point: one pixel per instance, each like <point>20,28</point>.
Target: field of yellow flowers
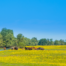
<point>51,56</point>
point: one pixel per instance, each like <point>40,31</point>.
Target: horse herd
<point>26,48</point>
<point>33,48</point>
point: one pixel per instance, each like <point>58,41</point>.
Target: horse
<point>4,48</point>
<point>14,48</point>
<point>40,48</point>
<point>34,48</point>
<point>28,48</point>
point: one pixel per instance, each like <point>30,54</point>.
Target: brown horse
<point>28,48</point>
<point>4,48</point>
<point>31,48</point>
<point>34,48</point>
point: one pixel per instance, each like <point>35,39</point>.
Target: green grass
<point>26,64</point>
<point>1,48</point>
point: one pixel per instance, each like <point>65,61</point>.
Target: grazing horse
<point>4,48</point>
<point>40,48</point>
<point>28,48</point>
<point>34,48</point>
<point>14,48</point>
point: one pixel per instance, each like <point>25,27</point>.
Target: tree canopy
<point>7,39</point>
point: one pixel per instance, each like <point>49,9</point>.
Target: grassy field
<point>34,57</point>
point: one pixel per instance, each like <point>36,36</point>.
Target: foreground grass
<point>34,57</point>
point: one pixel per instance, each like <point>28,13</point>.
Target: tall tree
<point>21,41</point>
<point>34,41</point>
<point>42,42</point>
<point>7,35</point>
<point>51,42</point>
<point>27,41</point>
<point>48,42</point>
<point>61,42</point>
<point>56,42</point>
<point>1,40</point>
<point>19,36</point>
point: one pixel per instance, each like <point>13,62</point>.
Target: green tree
<point>15,42</point>
<point>51,42</point>
<point>48,42</point>
<point>20,40</point>
<point>34,41</point>
<point>7,36</point>
<point>42,42</point>
<point>27,41</point>
<point>19,36</point>
<point>56,42</point>
<point>1,40</point>
<point>61,42</point>
<point>21,44</point>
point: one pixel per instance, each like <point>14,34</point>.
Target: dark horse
<point>40,48</point>
<point>16,48</point>
<point>28,48</point>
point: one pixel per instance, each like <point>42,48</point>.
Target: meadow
<point>51,56</point>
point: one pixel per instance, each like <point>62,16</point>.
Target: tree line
<point>7,39</point>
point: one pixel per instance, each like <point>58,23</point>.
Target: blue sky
<point>34,18</point>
